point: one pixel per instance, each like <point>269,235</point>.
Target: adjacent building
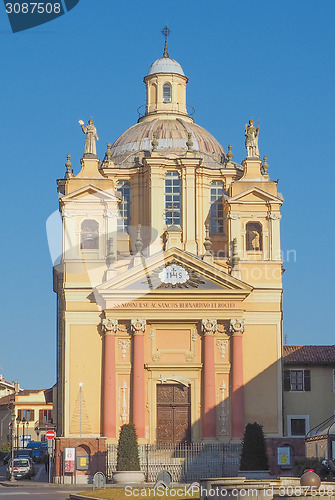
<point>29,413</point>
<point>309,388</point>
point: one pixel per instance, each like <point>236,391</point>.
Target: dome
<point>172,135</point>
<point>166,65</point>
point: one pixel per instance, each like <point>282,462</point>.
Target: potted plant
<point>128,462</point>
<point>254,462</point>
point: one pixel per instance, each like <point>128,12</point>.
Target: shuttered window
<point>26,415</point>
<point>45,416</point>
<point>297,380</point>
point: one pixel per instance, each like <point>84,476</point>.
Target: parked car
<point>38,449</point>
<point>22,468</point>
<point>24,453</point>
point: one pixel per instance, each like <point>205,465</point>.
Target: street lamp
<point>37,430</point>
<point>23,422</point>
<point>12,478</point>
<point>18,420</point>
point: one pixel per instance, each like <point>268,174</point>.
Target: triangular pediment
<point>198,277</point>
<point>255,194</point>
<point>90,191</point>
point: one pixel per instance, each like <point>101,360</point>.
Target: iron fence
<point>186,462</point>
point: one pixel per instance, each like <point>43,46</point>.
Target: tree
<point>254,455</point>
<point>5,447</point>
<point>127,449</point>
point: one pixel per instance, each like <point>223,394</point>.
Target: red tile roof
<point>25,392</point>
<point>7,399</point>
<point>309,354</point>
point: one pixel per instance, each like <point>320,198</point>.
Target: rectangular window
<point>26,415</point>
<point>216,208</point>
<point>172,199</point>
<point>45,417</point>
<point>123,222</point>
<point>297,425</point>
<point>297,380</point>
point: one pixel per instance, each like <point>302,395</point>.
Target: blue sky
<point>272,61</point>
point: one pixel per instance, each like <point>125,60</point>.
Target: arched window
<point>172,199</point>
<point>254,236</point>
<point>123,221</point>
<point>216,208</point>
<point>89,235</point>
<point>167,92</point>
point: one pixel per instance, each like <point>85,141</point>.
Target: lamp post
<point>18,420</point>
<point>80,398</point>
<point>12,446</point>
<point>27,425</point>
<point>23,422</point>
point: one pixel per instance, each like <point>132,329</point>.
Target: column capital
<point>274,216</point>
<point>236,326</point>
<point>109,325</point>
<point>209,326</point>
<point>138,326</point>
<point>233,216</point>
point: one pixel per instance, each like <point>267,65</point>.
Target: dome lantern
<point>166,87</point>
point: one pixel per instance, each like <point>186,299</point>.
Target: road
<point>38,488</point>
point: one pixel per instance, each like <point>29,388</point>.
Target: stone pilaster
<point>109,327</point>
<point>138,327</point>
<point>237,396</point>
<point>209,327</point>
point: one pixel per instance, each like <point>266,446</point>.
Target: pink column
<point>209,410</point>
<point>138,397</point>
<point>109,394</point>
<point>237,397</point>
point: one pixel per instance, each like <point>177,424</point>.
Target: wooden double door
<point>173,414</point>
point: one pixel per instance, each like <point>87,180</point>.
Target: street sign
<point>50,434</point>
<point>50,447</point>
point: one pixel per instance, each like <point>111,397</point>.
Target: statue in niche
<point>254,237</point>
<point>251,140</point>
<point>91,135</point>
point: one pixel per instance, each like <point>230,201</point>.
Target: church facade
<point>170,285</point>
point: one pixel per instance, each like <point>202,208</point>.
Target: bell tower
<point>253,214</point>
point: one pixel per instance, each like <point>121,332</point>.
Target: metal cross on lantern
<point>165,32</point>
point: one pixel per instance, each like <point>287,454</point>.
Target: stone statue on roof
<point>91,135</point>
<point>251,139</point>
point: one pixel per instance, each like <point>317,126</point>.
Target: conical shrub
<point>127,449</point>
<point>254,455</point>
